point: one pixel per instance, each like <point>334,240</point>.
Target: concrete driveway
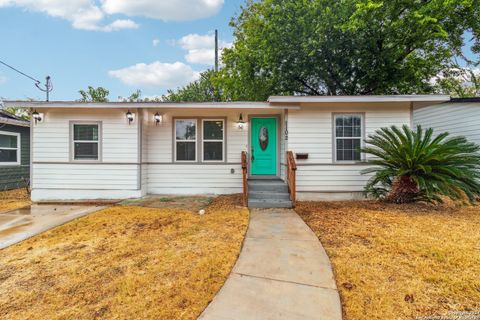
<point>20,224</point>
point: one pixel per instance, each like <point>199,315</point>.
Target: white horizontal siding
<point>51,137</point>
<point>159,143</point>
<point>166,177</point>
<point>194,179</point>
<point>459,119</point>
<point>82,194</point>
<point>85,176</point>
<point>311,131</point>
<point>55,176</point>
<point>331,178</point>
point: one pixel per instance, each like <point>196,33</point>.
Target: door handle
<point>253,157</point>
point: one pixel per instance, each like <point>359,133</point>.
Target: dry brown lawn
<point>124,262</point>
<point>400,262</point>
<point>13,199</point>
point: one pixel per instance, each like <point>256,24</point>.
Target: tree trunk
<point>404,190</point>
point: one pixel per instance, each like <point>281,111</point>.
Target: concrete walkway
<point>21,224</point>
<point>283,272</point>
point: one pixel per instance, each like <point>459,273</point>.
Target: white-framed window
<point>348,133</point>
<point>213,135</point>
<point>185,147</point>
<point>9,148</point>
<point>86,141</point>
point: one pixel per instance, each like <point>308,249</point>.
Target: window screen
<point>85,141</point>
<point>348,137</point>
<point>9,148</point>
<point>213,140</point>
<point>185,140</point>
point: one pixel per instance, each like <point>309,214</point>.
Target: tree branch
<point>313,90</point>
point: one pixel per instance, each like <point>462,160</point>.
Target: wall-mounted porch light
<point>37,116</point>
<point>130,117</point>
<point>240,122</point>
<point>158,118</point>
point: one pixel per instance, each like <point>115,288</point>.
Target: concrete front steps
<point>268,193</point>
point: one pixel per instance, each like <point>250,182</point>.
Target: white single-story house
<point>116,150</point>
<point>459,117</point>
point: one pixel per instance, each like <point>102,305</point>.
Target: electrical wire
<point>22,73</point>
<point>48,83</point>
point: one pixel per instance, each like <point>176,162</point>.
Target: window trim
<point>175,140</point>
<point>72,142</point>
<point>334,136</point>
<point>18,148</point>
<point>222,141</point>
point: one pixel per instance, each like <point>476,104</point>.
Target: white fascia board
<point>144,105</point>
<point>346,99</point>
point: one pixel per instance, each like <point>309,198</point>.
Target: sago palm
<point>411,165</point>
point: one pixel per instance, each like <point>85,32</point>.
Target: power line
<point>22,73</point>
<point>48,83</point>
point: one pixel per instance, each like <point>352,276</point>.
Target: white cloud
<point>120,24</point>
<point>165,75</point>
<point>155,42</point>
<point>83,14</point>
<point>178,10</point>
<point>91,14</point>
<point>201,48</point>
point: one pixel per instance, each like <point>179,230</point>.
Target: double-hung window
<point>9,148</point>
<point>348,134</point>
<point>213,140</point>
<point>185,140</point>
<point>86,141</point>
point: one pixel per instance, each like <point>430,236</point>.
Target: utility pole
<point>48,87</point>
<point>216,50</point>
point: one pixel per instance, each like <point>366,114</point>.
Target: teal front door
<point>263,146</point>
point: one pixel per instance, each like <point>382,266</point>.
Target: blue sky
<point>78,52</point>
<point>152,45</point>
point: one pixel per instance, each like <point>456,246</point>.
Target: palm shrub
<point>411,165</point>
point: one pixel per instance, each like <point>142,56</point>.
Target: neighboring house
<point>92,151</point>
<point>459,117</point>
<point>14,151</point>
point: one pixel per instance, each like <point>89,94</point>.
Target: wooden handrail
<point>292,177</point>
<point>245,176</point>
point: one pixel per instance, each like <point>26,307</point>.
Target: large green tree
<point>346,47</point>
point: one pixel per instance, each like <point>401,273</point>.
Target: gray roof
<point>9,118</point>
<point>471,99</point>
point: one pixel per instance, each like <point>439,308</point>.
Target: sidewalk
<point>283,272</point>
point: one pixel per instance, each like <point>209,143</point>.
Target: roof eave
<point>13,122</point>
<point>359,99</point>
<point>144,105</point>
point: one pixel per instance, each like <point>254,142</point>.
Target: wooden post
<point>292,177</point>
<point>245,176</point>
